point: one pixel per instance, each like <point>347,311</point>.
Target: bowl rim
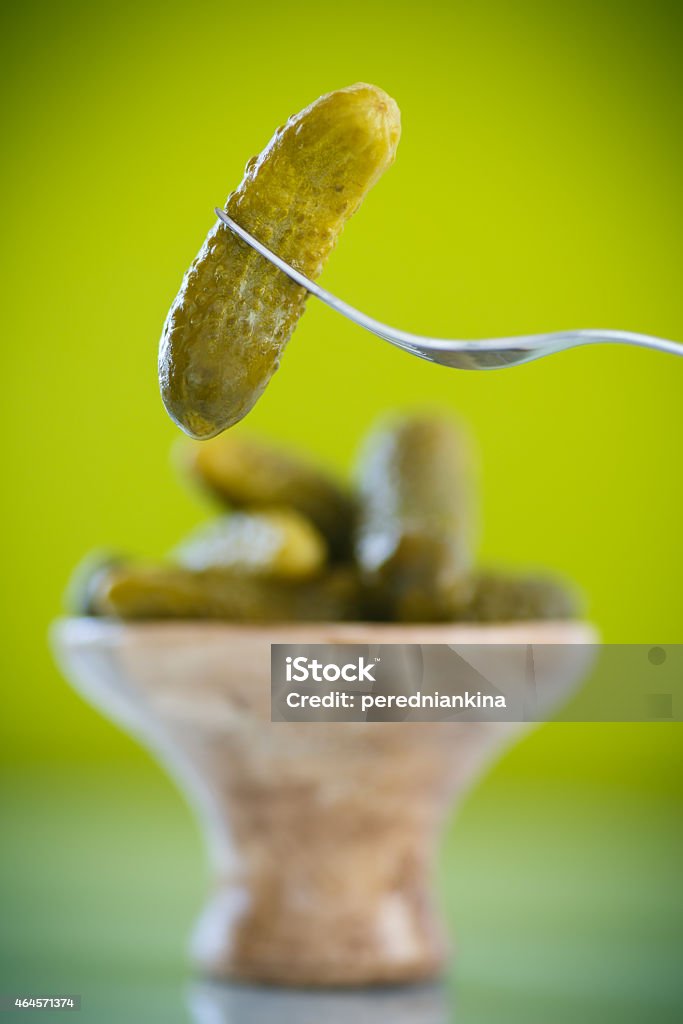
<point>93,630</point>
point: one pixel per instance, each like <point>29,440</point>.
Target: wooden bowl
<point>322,835</point>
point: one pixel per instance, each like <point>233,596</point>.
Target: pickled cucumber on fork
<point>414,537</point>
<point>247,473</point>
<point>277,543</point>
<point>142,592</point>
<point>235,312</point>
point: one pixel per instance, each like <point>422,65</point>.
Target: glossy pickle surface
<point>235,312</point>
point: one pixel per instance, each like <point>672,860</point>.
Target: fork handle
<point>598,337</point>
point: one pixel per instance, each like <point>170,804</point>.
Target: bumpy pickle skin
<point>150,592</point>
<point>278,544</point>
<point>235,312</point>
<point>499,597</point>
<point>414,537</point>
<point>244,472</point>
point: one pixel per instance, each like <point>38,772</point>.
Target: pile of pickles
<point>293,544</point>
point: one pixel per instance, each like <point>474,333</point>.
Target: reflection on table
<point>214,1003</point>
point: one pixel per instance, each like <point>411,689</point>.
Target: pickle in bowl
<point>276,543</point>
<point>507,597</point>
<point>414,536</point>
<point>148,592</point>
<point>244,472</point>
<point>293,544</point>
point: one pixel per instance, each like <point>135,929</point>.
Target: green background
<point>537,187</point>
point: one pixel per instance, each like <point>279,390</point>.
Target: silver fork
<point>488,354</point>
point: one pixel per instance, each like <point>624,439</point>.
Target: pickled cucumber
<point>497,597</point>
<point>279,543</point>
<point>82,591</point>
<point>235,312</point>
<point>414,537</point>
<point>246,473</point>
<point>159,592</point>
